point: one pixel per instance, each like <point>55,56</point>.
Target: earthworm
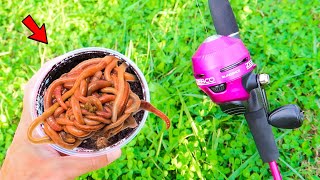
<point>58,112</point>
<point>116,130</point>
<point>48,95</point>
<point>106,98</point>
<point>68,113</point>
<point>83,88</point>
<point>72,118</point>
<point>72,74</point>
<point>147,106</point>
<point>76,110</point>
<point>68,85</point>
<point>121,90</point>
<point>57,95</point>
<point>84,64</point>
<point>124,99</point>
<point>109,68</point>
<point>135,103</point>
<point>130,123</point>
<point>93,98</point>
<point>78,95</point>
<point>95,101</point>
<point>98,84</point>
<point>64,121</point>
<point>67,103</point>
<point>67,137</point>
<point>91,122</point>
<point>109,90</point>
<point>115,81</point>
<point>88,127</point>
<point>65,129</point>
<point>53,124</point>
<point>54,136</point>
<point>96,94</point>
<point>99,118</point>
<point>86,112</point>
<point>96,76</point>
<point>107,108</point>
<point>77,132</point>
<point>106,115</point>
<point>117,123</point>
<point>86,137</point>
<point>130,101</point>
<point>127,76</point>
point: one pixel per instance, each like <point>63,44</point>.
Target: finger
<point>81,165</point>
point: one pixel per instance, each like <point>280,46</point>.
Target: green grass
<point>161,37</point>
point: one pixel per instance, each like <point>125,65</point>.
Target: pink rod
<point>274,170</point>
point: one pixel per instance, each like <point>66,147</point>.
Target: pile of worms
<point>94,98</point>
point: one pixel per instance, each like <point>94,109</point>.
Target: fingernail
<point>112,156</point>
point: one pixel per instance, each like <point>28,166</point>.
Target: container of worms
<point>58,66</point>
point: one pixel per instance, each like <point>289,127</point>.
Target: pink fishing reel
<point>223,69</point>
<point>220,66</point>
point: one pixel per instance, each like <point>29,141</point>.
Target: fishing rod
<point>223,69</point>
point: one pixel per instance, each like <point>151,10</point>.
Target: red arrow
<point>39,34</point>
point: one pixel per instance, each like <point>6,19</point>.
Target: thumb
<point>82,165</point>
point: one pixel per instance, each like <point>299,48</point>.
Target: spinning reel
<point>223,69</point>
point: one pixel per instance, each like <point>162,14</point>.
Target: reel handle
<point>223,18</point>
<point>286,117</point>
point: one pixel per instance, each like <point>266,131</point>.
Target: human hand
<point>25,160</point>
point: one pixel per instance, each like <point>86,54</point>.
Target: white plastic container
<point>55,68</point>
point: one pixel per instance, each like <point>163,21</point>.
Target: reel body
<point>219,65</point>
<point>222,67</point>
